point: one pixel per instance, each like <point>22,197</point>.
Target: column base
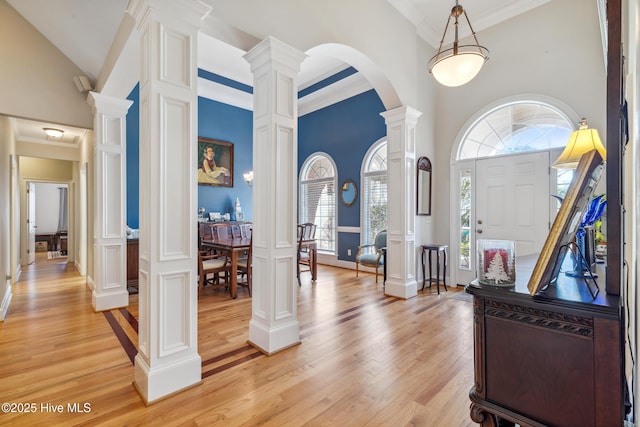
<point>402,290</point>
<point>154,384</point>
<point>273,340</point>
<point>110,300</point>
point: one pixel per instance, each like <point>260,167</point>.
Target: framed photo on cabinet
<point>567,221</point>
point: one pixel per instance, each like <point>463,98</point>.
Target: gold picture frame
<point>215,162</point>
<point>567,220</point>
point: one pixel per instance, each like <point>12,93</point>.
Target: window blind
<point>318,204</point>
<point>375,204</point>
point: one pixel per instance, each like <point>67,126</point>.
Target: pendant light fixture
<point>460,63</point>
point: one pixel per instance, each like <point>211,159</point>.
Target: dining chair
<point>212,264</point>
<point>370,255</point>
<point>306,232</point>
<point>245,267</point>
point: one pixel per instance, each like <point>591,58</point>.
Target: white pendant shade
<point>461,63</point>
<point>456,70</point>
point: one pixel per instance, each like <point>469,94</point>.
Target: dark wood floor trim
<point>226,355</point>
<point>236,362</point>
<point>130,318</point>
<point>125,342</point>
<point>312,328</point>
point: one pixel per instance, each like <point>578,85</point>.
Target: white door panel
<point>512,200</point>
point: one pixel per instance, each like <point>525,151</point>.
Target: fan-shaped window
<point>514,128</point>
<point>374,191</point>
<point>318,198</point>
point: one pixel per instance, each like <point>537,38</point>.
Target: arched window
<point>374,191</point>
<point>317,198</point>
<point>515,127</point>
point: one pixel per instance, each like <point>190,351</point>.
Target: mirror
<point>348,192</point>
<point>423,187</point>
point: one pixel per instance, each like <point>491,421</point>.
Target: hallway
<point>365,359</point>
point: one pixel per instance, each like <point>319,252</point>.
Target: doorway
<point>47,221</point>
<point>501,178</point>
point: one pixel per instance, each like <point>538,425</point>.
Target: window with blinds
<point>318,199</point>
<point>374,192</point>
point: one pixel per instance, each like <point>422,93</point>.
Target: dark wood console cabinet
<point>553,359</point>
<point>132,261</point>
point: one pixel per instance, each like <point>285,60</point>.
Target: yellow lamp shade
<point>580,142</point>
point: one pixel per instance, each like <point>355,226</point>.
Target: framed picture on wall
<point>215,162</point>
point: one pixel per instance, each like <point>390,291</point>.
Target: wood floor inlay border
<point>125,342</point>
<point>130,318</point>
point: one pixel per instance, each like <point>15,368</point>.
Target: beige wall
<point>36,79</point>
<point>534,53</point>
<point>32,168</point>
<point>6,144</point>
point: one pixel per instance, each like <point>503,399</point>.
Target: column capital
<point>192,11</point>
<point>108,104</point>
<point>272,50</point>
<point>404,113</point>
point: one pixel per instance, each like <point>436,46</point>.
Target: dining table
<point>234,247</point>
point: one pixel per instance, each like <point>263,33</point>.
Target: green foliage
<point>378,215</point>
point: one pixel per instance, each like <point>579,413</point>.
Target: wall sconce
<point>53,133</point>
<point>581,141</point>
<point>248,176</point>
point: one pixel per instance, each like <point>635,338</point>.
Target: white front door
<point>512,200</point>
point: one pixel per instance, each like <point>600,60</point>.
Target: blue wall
<point>133,159</point>
<point>345,131</point>
<point>215,121</point>
<point>227,123</point>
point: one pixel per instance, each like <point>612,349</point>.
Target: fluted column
<point>401,195</point>
<point>168,359</point>
<point>109,239</point>
<point>275,66</point>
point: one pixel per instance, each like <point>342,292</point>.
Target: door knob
<point>479,231</point>
<point>479,221</point>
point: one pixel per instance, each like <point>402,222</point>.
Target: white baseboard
<point>6,300</point>
<point>351,265</point>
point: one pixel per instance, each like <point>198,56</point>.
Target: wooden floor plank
<point>365,358</point>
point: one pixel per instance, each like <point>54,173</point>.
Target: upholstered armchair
<point>370,255</point>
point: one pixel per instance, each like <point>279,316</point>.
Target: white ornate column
<point>168,359</point>
<point>274,323</point>
<point>401,194</point>
<point>109,238</point>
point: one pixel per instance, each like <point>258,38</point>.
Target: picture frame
<point>563,230</point>
<point>218,169</point>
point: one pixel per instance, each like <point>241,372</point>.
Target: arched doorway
<point>501,177</point>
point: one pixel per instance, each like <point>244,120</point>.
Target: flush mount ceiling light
<point>459,64</point>
<point>53,133</point>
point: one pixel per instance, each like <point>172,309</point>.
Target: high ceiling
<point>97,21</point>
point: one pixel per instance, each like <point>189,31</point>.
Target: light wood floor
<point>365,359</point>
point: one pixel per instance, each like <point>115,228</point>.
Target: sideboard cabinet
<point>554,359</point>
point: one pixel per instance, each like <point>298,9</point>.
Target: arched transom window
<point>516,127</point>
